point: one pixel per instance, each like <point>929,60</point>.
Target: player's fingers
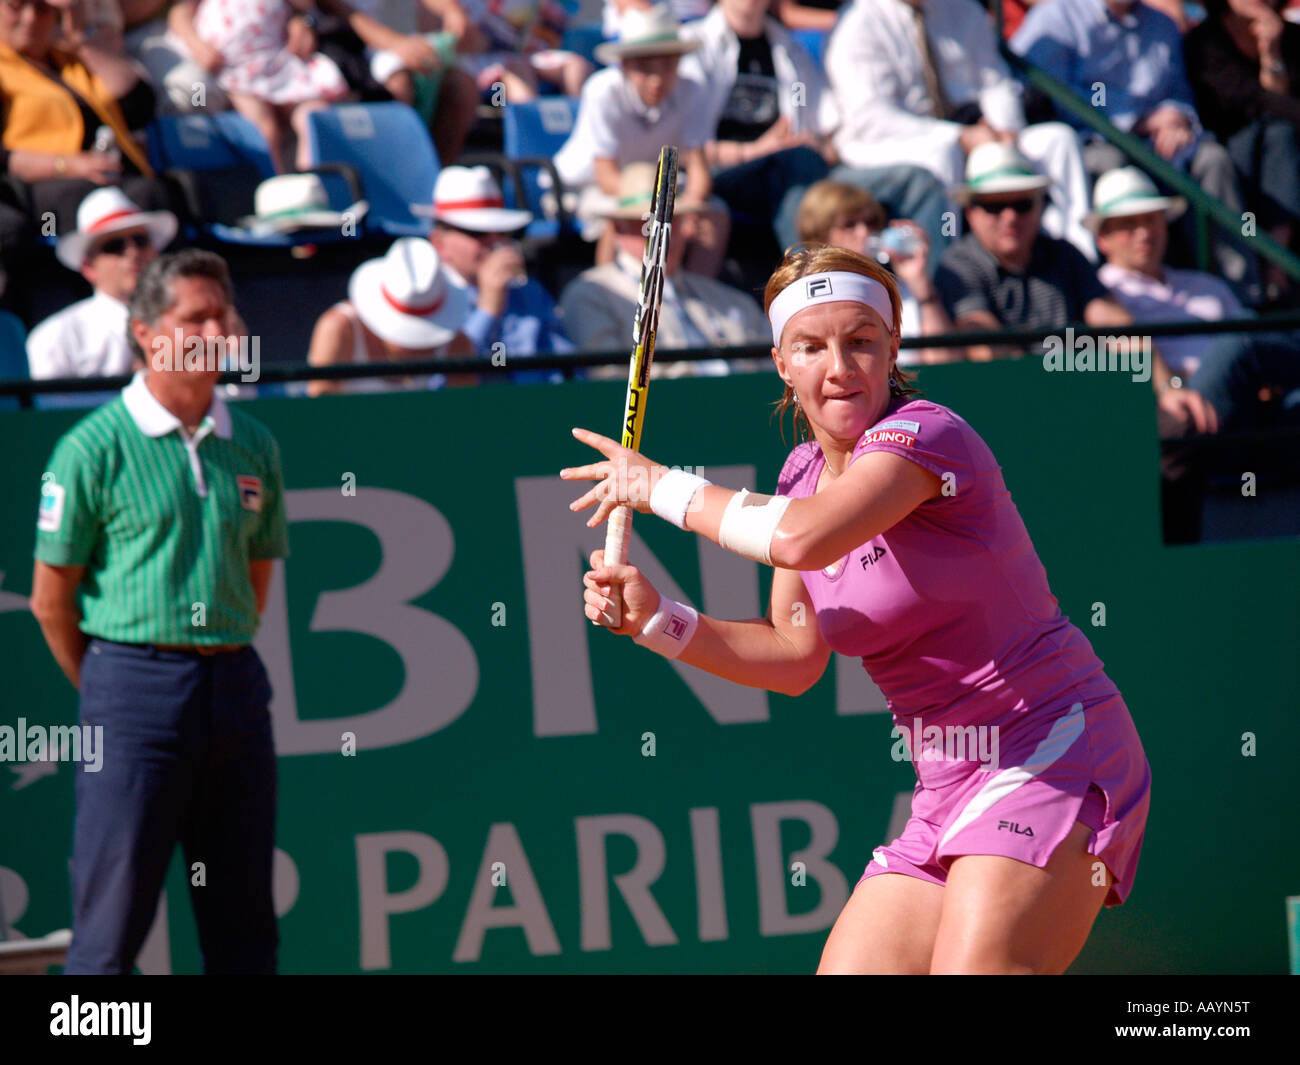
<point>596,582</point>
<point>602,512</point>
<point>597,558</point>
<point>592,472</point>
<point>603,444</point>
<point>1209,416</point>
<point>596,494</point>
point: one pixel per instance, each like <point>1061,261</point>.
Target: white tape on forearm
<point>748,525</point>
<point>671,628</point>
<point>671,497</point>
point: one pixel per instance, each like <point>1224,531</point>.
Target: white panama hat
<point>995,168</point>
<point>645,32</point>
<point>289,202</point>
<point>1128,191</point>
<point>409,297</point>
<point>468,197</point>
<point>109,210</point>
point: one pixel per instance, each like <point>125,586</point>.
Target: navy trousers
<point>188,757</point>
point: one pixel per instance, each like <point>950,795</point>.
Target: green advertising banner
<point>473,778</point>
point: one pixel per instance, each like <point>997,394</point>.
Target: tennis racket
<point>646,323</point>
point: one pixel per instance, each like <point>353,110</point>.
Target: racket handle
<point>618,533</point>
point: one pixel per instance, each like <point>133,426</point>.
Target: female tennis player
<point>894,521</point>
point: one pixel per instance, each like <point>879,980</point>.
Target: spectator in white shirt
<point>626,113</point>
<point>697,312</point>
<point>922,82</point>
<point>770,113</point>
<point>1237,373</point>
<point>113,243</point>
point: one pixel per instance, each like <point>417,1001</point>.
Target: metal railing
<point>1204,206</point>
<point>569,365</point>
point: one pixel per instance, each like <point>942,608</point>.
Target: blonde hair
<point>804,259</point>
<point>827,203</point>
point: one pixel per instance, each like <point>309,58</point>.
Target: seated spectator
<point>1013,14</point>
<point>835,212</point>
<point>383,57</point>
<point>922,82</point>
<point>265,64</point>
<point>770,113</point>
<point>1229,370</point>
<point>476,239</point>
<point>1244,62</point>
<point>1132,55</point>
<point>626,113</point>
<point>70,108</point>
<point>599,305</point>
<point>517,43</point>
<point>1006,273</point>
<point>183,84</point>
<point>114,241</point>
<point>405,307</point>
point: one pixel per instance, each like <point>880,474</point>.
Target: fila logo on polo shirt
<point>895,432</point>
<point>250,492</point>
<point>819,286</point>
<point>50,515</point>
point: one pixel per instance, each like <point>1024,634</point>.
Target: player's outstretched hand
<point>625,476</point>
<point>640,600</point>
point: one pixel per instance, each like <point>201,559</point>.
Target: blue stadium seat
<point>217,161</point>
<point>814,41</point>
<point>391,151</point>
<point>204,142</point>
<point>583,39</point>
<point>13,355</point>
<point>532,133</point>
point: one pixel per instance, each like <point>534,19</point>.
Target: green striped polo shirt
<point>165,527</point>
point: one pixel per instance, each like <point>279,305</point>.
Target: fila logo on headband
<point>819,286</point>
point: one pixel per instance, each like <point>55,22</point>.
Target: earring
<point>893,381</point>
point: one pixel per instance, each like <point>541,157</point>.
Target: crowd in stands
<point>893,127</point>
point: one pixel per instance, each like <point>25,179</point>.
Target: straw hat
<point>1128,191</point>
<point>645,32</point>
<point>108,210</point>
<point>994,168</point>
<point>636,188</point>
<point>408,297</point>
<point>288,202</point>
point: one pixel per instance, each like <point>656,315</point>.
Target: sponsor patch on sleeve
<point>50,515</point>
<point>898,431</point>
<point>889,436</point>
<point>250,492</point>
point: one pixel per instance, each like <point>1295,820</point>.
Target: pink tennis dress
<point>1012,726</point>
<point>251,36</point>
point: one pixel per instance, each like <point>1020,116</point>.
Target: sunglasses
<point>1019,206</point>
<point>482,235</point>
<point>118,245</point>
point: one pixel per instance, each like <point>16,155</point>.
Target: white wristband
<point>671,628</point>
<point>671,497</point>
<point>748,526</point>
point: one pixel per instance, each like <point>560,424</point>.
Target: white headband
<point>837,285</point>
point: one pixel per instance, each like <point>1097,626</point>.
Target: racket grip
<point>618,533</point>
